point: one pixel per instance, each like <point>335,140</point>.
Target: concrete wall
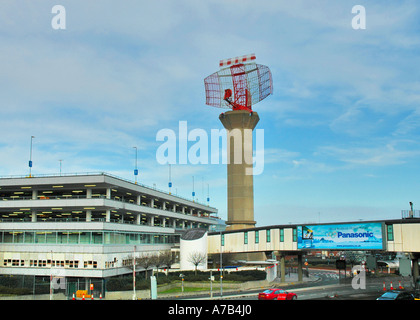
<point>406,238</point>
<point>235,241</point>
<point>191,247</point>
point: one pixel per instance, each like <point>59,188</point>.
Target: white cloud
<point>390,154</point>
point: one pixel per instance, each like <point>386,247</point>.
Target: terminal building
<point>89,226</point>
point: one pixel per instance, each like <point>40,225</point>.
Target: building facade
<point>89,225</point>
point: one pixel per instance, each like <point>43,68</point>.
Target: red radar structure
<point>239,84</point>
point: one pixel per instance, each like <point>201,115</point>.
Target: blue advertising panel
<point>351,236</point>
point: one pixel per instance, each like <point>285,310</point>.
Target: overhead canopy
<point>193,234</point>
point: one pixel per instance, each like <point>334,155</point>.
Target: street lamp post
<point>193,192</point>
<point>134,273</point>
<point>60,165</point>
<point>170,182</point>
<point>221,266</point>
<point>136,171</point>
<point>30,158</point>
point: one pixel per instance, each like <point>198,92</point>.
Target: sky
<point>341,130</point>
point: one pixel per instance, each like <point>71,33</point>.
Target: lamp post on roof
<point>136,171</point>
<point>30,158</point>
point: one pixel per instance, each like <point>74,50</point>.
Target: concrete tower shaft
<point>239,125</point>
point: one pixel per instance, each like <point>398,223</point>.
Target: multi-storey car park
<point>89,226</point>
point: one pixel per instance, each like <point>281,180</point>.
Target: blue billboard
<point>350,236</point>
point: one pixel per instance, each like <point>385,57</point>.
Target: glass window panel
<point>51,237</point>
<point>18,237</point>
<point>97,237</point>
<point>390,232</point>
<point>107,238</point>
<point>29,237</point>
<point>8,237</point>
<point>73,237</point>
<point>62,237</point>
<point>85,237</point>
<point>40,237</point>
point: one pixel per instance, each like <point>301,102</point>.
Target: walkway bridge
<point>402,235</point>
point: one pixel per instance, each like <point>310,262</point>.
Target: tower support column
<point>239,125</point>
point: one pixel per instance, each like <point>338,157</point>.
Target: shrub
<point>125,283</point>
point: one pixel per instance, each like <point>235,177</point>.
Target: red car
<point>276,294</point>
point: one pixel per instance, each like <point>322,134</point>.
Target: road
<point>327,287</point>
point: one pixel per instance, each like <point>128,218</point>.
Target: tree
<point>157,261</point>
<point>197,258</point>
<point>167,259</point>
<point>145,261</point>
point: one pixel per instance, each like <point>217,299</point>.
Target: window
<point>85,237</point>
<point>268,235</point>
<point>222,240</point>
<point>18,237</point>
<point>294,235</point>
<point>281,235</point>
<point>246,237</point>
<point>390,232</point>
<point>8,237</point>
<point>40,237</point>
<point>29,237</point>
<point>90,264</point>
<point>51,237</point>
<point>257,236</point>
<point>97,237</point>
<point>73,237</point>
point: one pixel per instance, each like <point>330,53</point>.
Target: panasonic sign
<point>354,234</point>
<point>343,236</point>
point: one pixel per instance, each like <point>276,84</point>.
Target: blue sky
<point>341,128</point>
